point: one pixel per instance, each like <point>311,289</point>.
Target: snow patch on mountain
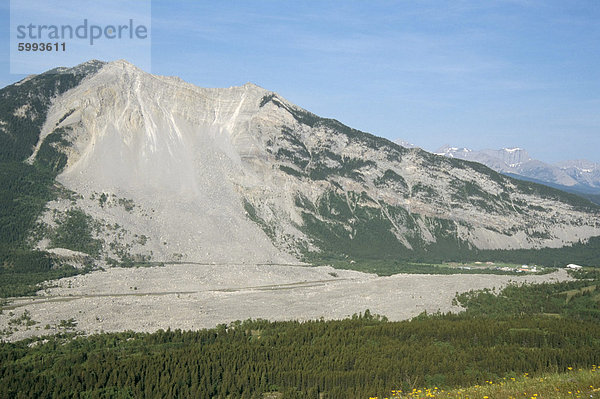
<point>515,161</point>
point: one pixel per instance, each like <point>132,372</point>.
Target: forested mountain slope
<point>150,168</point>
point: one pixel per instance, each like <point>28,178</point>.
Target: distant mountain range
<point>581,177</point>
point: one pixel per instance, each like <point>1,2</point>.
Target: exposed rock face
<point>171,171</point>
<point>172,152</point>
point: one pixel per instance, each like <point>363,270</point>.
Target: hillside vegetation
<point>364,356</point>
<point>24,188</point>
<point>348,221</point>
<point>521,341</point>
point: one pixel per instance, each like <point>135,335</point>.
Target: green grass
<point>572,384</point>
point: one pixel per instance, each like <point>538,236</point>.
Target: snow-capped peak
<point>452,152</point>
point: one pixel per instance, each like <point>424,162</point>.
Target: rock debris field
<point>196,296</point>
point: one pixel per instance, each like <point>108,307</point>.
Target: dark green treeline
<point>353,358</point>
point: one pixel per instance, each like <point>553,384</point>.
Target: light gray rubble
<point>194,296</point>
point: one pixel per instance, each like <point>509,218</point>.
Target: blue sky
<point>481,74</point>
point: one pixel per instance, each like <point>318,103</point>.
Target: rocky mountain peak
<point>241,174</point>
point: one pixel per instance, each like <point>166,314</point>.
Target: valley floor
<point>195,296</point>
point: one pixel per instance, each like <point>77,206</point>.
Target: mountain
<point>586,173</point>
<point>150,168</point>
<point>505,158</point>
<point>580,177</point>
